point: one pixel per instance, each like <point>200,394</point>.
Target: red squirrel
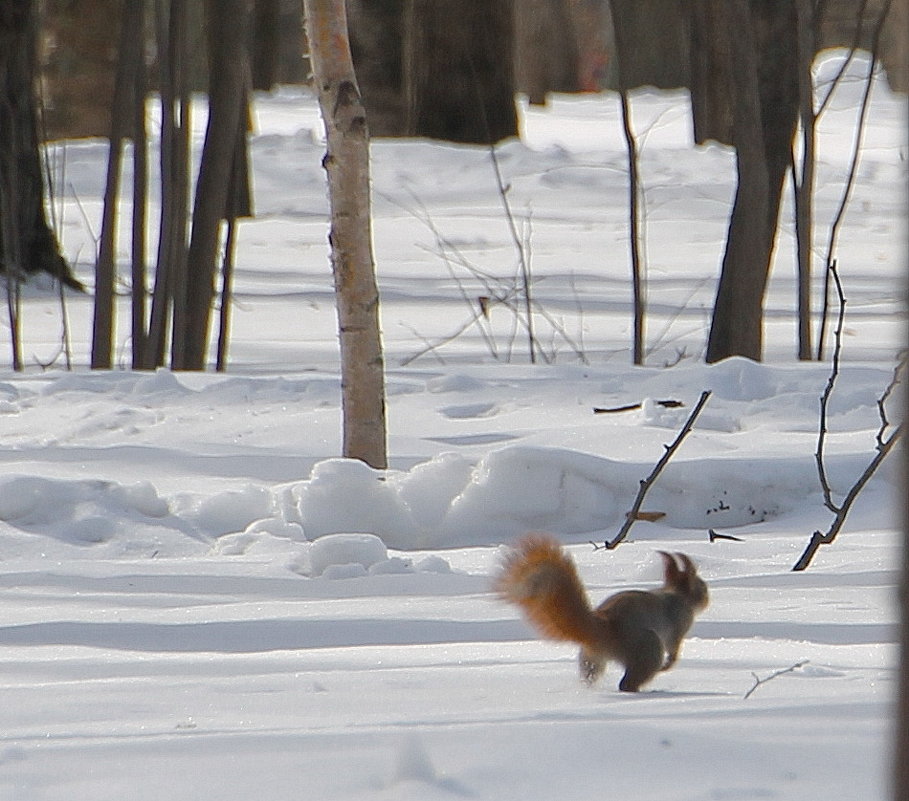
<point>642,630</point>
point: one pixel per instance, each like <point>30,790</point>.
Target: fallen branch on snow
<point>758,681</point>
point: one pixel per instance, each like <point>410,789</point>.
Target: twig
<point>532,344</point>
<point>713,536</point>
<point>853,49</point>
<point>758,681</point>
<point>429,346</point>
<point>496,291</point>
<point>828,389</point>
<point>853,171</point>
<point>883,445</point>
<point>647,483</point>
<point>882,400</point>
<point>818,539</point>
<point>628,407</point>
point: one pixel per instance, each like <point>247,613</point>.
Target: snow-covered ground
<point>180,622</point>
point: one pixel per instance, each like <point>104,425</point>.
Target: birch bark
<point>347,165</point>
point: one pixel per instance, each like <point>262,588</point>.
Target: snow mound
<point>345,550</point>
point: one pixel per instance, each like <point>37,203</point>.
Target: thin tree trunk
<point>634,232</point>
<point>104,321</point>
<point>357,295</point>
<point>227,288</point>
<point>228,29</point>
<point>11,260</point>
<point>171,26</point>
<point>804,182</point>
<point>626,49</point>
<point>140,193</point>
<point>239,204</point>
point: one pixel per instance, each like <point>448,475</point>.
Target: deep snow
<point>201,601</point>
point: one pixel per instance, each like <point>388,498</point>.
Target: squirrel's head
<point>681,576</point>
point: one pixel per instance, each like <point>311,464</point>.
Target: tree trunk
<point>171,22</point>
<point>78,60</point>
<point>459,71</point>
<point>265,47</point>
<point>228,28</point>
<point>547,57</point>
<point>648,54</point>
<point>376,41</point>
<point>27,243</point>
<point>121,119</point>
<point>634,232</point>
<point>803,179</point>
<point>140,199</point>
<point>357,295</point>
<point>755,47</point>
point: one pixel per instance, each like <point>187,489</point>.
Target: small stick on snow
<point>758,681</point>
<point>715,535</point>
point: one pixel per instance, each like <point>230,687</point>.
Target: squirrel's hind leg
<point>646,659</point>
<point>590,666</point>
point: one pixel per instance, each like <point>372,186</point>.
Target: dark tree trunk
<point>140,201</point>
<point>27,243</point>
<point>121,121</point>
<point>647,54</point>
<point>78,58</point>
<point>376,42</point>
<point>547,57</point>
<point>458,70</point>
<point>228,26</point>
<point>171,23</point>
<point>803,174</point>
<point>745,90</point>
<point>265,49</point>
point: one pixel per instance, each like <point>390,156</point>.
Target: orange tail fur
<point>541,579</point>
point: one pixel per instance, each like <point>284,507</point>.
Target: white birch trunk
<point>356,293</point>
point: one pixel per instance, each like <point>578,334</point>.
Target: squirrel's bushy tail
<point>541,579</point>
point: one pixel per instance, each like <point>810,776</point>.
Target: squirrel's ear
<point>671,572</point>
<point>688,566</point>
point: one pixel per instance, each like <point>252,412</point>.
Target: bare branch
<point>882,401</point>
<point>828,391</point>
<point>853,169</point>
<point>647,483</point>
<point>818,539</point>
<point>883,445</point>
<point>523,261</point>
